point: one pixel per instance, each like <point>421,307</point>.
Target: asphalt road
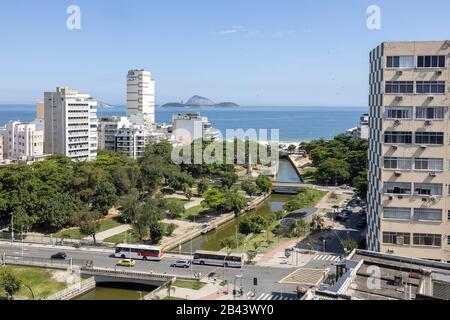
<point>268,277</point>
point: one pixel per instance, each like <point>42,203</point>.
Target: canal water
<point>211,241</point>
<point>117,291</point>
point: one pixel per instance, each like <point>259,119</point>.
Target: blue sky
<point>253,52</point>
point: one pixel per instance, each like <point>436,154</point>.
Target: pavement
<point>110,232</point>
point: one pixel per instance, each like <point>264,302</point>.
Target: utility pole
<point>12,226</point>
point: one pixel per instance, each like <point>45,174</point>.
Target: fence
<point>54,241</point>
<point>74,290</point>
<point>44,262</point>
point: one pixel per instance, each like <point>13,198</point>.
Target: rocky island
<point>200,102</point>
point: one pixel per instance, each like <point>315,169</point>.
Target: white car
<point>181,264</point>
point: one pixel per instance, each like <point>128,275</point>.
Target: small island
<point>200,102</point>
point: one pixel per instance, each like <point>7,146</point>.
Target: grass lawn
<point>120,238</point>
<point>308,174</point>
<point>40,280</point>
<point>196,211</point>
<point>194,285</point>
<point>77,234</point>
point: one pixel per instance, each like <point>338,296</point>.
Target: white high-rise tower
<point>141,97</point>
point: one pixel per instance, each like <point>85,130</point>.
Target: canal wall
<point>75,290</point>
<point>295,165</point>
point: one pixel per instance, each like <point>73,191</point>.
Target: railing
<point>43,262</point>
<point>54,241</point>
<point>74,290</point>
<point>132,274</point>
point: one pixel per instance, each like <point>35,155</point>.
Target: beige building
<point>40,113</point>
<point>23,141</point>
<point>141,97</point>
<point>409,150</point>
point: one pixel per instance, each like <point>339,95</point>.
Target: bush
<point>170,229</point>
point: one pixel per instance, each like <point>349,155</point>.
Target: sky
<point>252,52</point>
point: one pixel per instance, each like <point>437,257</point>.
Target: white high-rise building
<point>192,126</point>
<point>70,124</point>
<point>141,97</point>
<point>23,141</point>
<point>108,127</point>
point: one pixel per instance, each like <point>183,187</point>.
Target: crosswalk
<point>326,257</point>
<point>270,296</point>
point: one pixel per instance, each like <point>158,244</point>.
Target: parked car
<point>126,263</point>
<point>59,256</point>
<point>342,217</point>
<point>345,187</point>
<point>181,264</point>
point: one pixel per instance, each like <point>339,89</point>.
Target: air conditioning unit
<point>399,98</point>
<point>400,241</point>
<point>394,147</point>
<point>400,197</point>
<point>430,98</point>
<point>391,198</point>
<point>397,122</point>
<point>399,73</point>
<point>433,174</point>
<point>439,72</point>
<point>397,173</point>
<point>434,198</point>
<point>424,199</point>
<point>423,146</point>
<point>428,122</point>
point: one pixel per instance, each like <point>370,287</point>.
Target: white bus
<point>138,252</point>
<point>219,259</point>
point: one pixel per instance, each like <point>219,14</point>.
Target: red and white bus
<point>138,252</point>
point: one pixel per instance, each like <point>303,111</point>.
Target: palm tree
<point>317,222</point>
<point>169,287</point>
<point>301,226</point>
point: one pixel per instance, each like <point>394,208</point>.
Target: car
<point>342,217</point>
<point>348,208</point>
<point>126,263</point>
<point>345,187</point>
<point>59,256</point>
<point>181,264</point>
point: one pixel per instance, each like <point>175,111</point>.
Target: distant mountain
<point>199,101</point>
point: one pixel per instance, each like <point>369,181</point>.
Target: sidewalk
<point>110,232</point>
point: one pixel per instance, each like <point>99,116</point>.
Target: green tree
<point>228,179</point>
<point>249,188</point>
<point>361,183</point>
<point>169,287</point>
<point>175,208</point>
<point>214,199</point>
<point>170,229</point>
<point>187,191</point>
<point>9,283</point>
<point>333,171</point>
<point>88,222</point>
<point>202,186</point>
<point>234,201</point>
<point>156,232</point>
<point>264,183</point>
<point>292,148</point>
<point>350,245</point>
<point>104,197</point>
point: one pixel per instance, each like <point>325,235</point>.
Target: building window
<point>430,113</point>
<point>422,239</point>
<point>396,213</point>
<point>448,241</point>
<point>397,188</point>
<point>397,238</point>
<point>429,164</point>
<point>430,138</point>
<point>398,137</point>
<point>431,62</point>
<point>422,214</point>
<point>400,62</point>
<point>427,189</point>
<point>399,87</point>
<point>397,163</point>
<point>399,113</point>
<point>430,87</point>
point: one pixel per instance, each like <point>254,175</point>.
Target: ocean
<point>295,123</point>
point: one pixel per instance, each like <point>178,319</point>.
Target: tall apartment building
<point>23,141</point>
<point>141,96</point>
<point>40,110</point>
<point>108,127</point>
<point>131,141</point>
<point>409,150</point>
<point>70,124</point>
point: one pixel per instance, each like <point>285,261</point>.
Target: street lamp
<point>12,226</point>
<point>21,232</point>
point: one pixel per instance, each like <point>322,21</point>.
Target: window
<point>448,240</point>
<point>398,163</point>
<point>398,113</point>
<point>448,215</point>
<point>397,188</point>
<point>429,138</point>
<point>422,239</point>
<point>423,214</point>
<point>429,164</point>
<point>430,113</point>
<point>399,87</point>
<point>400,62</point>
<point>398,238</point>
<point>398,137</point>
<point>428,189</point>
<point>431,62</point>
<point>430,87</point>
<point>396,213</point>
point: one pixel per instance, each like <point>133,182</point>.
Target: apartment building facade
<point>141,96</point>
<point>108,127</point>
<point>192,126</point>
<point>23,141</point>
<point>132,141</point>
<point>70,124</point>
<point>409,150</point>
